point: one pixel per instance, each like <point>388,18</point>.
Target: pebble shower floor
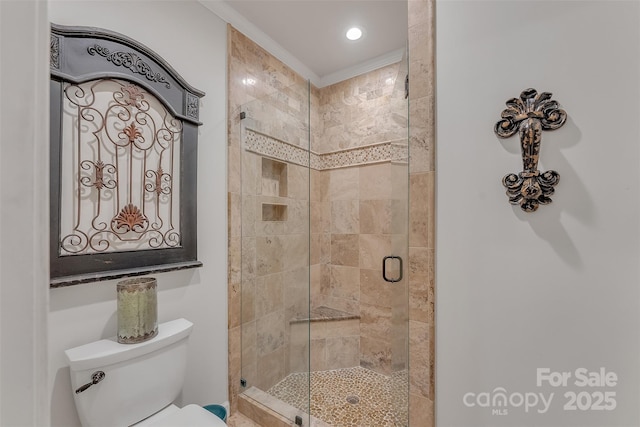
<point>352,397</point>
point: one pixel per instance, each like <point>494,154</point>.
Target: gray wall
<point>557,288</point>
<point>24,212</point>
<point>193,40</point>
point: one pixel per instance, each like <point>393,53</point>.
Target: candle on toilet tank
<point>137,310</point>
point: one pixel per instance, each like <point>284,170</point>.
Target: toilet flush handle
<point>96,377</point>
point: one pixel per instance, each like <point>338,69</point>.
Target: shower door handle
<point>384,269</point>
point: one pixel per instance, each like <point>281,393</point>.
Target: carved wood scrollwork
<point>529,115</point>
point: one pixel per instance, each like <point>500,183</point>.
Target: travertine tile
<point>269,294</point>
<point>315,218</point>
<point>233,171</point>
<point>299,349</point>
<point>239,420</point>
<point>375,216</point>
<point>325,248</point>
<point>248,294</point>
<point>373,288</point>
<point>375,322</point>
<point>251,177</point>
<point>345,217</point>
<point>325,214</point>
<point>419,356</point>
<point>235,261</point>
<point>343,184</point>
<point>317,289</point>
<point>375,355</point>
<point>343,352</point>
<point>270,332</point>
<point>269,258</point>
<point>335,328</point>
<point>421,411</point>
<point>271,367</point>
<point>234,365</point>
<point>248,216</point>
<point>318,353</point>
<point>234,206</point>
<point>375,182</point>
<point>234,316</point>
<point>260,414</point>
<point>420,270</point>
<point>419,210</point>
<point>345,282</point>
<point>418,11</point>
<point>294,252</point>
<point>315,249</point>
<point>345,249</point>
<point>373,247</point>
<point>296,293</point>
<point>319,184</point>
<point>421,135</point>
<point>298,182</point>
<point>344,304</point>
<point>297,217</point>
<point>248,257</point>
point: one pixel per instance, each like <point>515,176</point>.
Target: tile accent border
<point>265,145</point>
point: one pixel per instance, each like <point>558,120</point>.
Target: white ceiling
<point>309,35</point>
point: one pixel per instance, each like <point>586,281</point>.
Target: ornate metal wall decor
<point>121,150</point>
<point>529,115</point>
<point>123,159</point>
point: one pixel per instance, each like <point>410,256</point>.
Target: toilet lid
<point>190,416</point>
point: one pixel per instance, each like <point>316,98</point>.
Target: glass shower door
<point>275,251</point>
<point>359,218</point>
<point>324,220</point>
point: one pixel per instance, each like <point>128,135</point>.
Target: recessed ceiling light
<point>354,33</point>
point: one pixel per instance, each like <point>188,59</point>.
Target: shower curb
<point>253,404</point>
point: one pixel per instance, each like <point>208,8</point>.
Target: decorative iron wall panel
<point>123,159</point>
<point>120,154</point>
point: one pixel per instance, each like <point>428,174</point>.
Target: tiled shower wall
<point>421,214</point>
<point>356,217</point>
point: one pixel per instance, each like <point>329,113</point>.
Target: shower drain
<point>353,399</point>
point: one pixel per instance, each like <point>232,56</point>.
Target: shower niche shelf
<point>274,178</point>
<point>274,212</point>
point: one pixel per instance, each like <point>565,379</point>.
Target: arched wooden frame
<point>84,54</point>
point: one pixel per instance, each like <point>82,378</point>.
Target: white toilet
<point>135,384</point>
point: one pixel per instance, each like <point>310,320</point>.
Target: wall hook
<point>529,115</point>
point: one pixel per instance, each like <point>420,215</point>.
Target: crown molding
<point>362,68</point>
<point>239,22</point>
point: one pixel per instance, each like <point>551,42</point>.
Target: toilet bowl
<point>118,384</point>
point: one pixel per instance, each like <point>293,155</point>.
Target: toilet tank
<point>140,379</point>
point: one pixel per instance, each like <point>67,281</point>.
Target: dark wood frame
<point>72,61</point>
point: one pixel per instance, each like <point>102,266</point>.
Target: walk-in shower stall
<point>324,300</point>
